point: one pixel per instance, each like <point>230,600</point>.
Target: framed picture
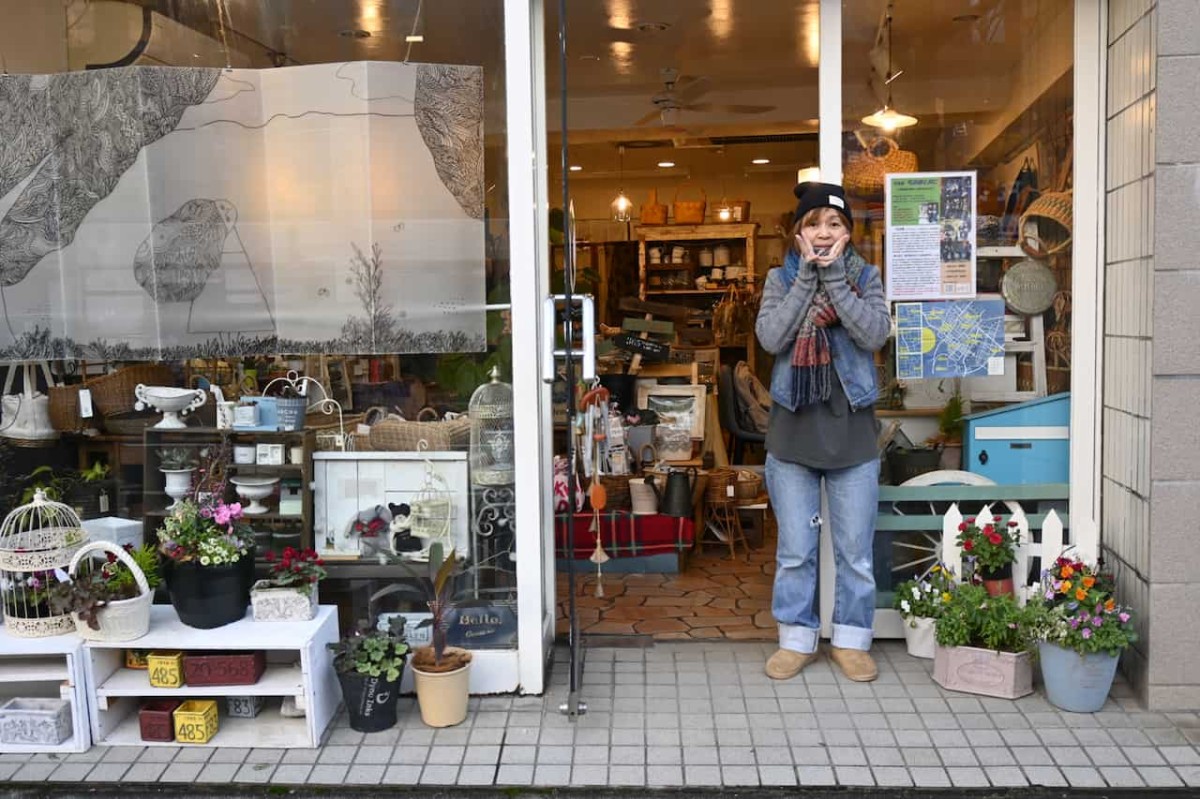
<point>678,406</point>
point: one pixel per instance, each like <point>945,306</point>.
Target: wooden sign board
<point>654,326</point>
<point>650,350</point>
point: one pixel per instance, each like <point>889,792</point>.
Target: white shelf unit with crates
<point>46,668</point>
<point>299,665</point>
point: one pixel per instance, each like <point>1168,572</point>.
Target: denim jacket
<point>865,326</point>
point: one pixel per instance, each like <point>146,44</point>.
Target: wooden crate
<point>166,669</point>
<point>195,721</point>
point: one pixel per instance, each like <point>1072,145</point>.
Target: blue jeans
<point>853,495</point>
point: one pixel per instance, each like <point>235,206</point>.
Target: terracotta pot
<point>998,582</point>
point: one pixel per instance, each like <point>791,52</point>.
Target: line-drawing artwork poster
<point>956,338</point>
<point>159,212</point>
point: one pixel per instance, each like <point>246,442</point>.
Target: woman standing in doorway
<point>823,315</point>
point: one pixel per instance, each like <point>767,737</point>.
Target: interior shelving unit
<point>49,668</point>
<point>738,236</point>
<point>299,665</point>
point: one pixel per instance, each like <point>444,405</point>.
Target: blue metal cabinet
<point>1020,444</point>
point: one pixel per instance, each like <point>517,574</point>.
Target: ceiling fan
<point>680,93</point>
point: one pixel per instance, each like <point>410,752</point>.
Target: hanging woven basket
<point>1046,224</point>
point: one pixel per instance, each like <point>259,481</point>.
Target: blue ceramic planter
<point>1075,682</point>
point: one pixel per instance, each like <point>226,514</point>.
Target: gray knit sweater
<point>866,318</point>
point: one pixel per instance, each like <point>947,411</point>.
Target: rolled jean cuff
<point>847,637</point>
<point>795,638</point>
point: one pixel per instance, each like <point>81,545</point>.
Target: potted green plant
<point>207,562</point>
<point>950,432</point>
<point>982,644</point>
<point>111,601</point>
<point>177,465</point>
<point>369,663</point>
<point>920,602</point>
<point>289,593</point>
<point>1081,632</point>
<point>991,551</point>
<point>441,673</point>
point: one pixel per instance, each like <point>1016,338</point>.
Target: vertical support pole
<point>829,86</point>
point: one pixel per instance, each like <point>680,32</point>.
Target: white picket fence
<point>1045,551</point>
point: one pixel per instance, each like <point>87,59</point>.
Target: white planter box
<point>282,604</point>
<point>1003,675</point>
<point>35,721</point>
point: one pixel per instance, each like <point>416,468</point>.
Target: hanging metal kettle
<point>677,496</point>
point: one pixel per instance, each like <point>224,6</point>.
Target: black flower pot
<point>370,701</point>
<point>209,596</point>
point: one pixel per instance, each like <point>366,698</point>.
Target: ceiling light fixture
<point>621,204</point>
<point>651,27</point>
<point>576,168</point>
<point>761,161</point>
<point>888,118</point>
<point>355,33</point>
<point>809,174</point>
<point>414,38</point>
<point>666,164</point>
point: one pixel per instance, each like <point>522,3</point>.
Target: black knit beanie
<point>822,195</point>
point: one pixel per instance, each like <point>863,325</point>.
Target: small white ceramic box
<point>115,530</point>
<point>35,721</point>
<point>269,454</point>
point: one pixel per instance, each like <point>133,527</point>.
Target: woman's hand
<point>822,261</point>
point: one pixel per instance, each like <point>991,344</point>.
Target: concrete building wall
<point>1151,465</point>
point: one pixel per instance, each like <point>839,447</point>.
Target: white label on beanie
<point>835,200</point>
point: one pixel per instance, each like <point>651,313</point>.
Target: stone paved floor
<point>684,714</point>
<point>715,597</point>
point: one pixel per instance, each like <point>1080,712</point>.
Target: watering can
<point>676,498</point>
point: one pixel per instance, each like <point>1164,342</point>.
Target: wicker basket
<point>112,394</point>
<point>690,212</point>
<point>130,424</point>
<point>749,487</point>
<point>64,409</point>
<point>125,619</point>
<point>653,212</point>
<point>397,434</point>
<point>616,486</point>
<point>866,172</point>
<point>1052,214</point>
<point>719,481</point>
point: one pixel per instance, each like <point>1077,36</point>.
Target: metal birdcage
<point>37,542</point>
<point>491,415</point>
<point>432,513</point>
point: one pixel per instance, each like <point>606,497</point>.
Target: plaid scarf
<point>812,356</point>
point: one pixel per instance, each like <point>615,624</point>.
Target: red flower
<point>995,539</point>
<point>271,556</point>
<point>968,545</point>
<point>962,527</point>
<point>989,530</point>
<point>1012,524</point>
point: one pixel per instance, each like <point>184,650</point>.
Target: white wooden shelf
<point>277,680</point>
<point>267,729</point>
<point>50,667</point>
<point>115,692</point>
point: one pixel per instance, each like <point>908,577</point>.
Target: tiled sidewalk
<point>704,714</point>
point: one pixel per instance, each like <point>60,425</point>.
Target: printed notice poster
<point>963,338</point>
<point>930,236</point>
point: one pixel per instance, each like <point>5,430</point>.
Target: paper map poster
<point>930,236</point>
<point>960,338</point>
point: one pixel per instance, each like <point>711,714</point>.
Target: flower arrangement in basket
<point>1081,631</point>
<point>290,591</point>
<point>920,602</point>
<point>992,550</point>
<point>109,602</point>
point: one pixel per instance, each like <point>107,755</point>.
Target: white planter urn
<point>274,603</point>
<point>179,484</point>
<point>919,638</point>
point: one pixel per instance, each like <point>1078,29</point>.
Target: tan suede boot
<point>856,664</point>
<point>786,664</point>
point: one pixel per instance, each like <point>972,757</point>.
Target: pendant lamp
<point>888,118</point>
<point>622,206</point>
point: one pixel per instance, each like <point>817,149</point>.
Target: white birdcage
<point>37,542</point>
<point>491,415</point>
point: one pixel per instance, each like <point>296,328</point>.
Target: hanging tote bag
<point>866,172</point>
<point>25,417</point>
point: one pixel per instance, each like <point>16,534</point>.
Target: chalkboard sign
<point>651,351</point>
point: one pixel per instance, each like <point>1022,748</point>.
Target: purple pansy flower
<point>1087,633</point>
<point>1097,621</point>
<point>1124,617</point>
